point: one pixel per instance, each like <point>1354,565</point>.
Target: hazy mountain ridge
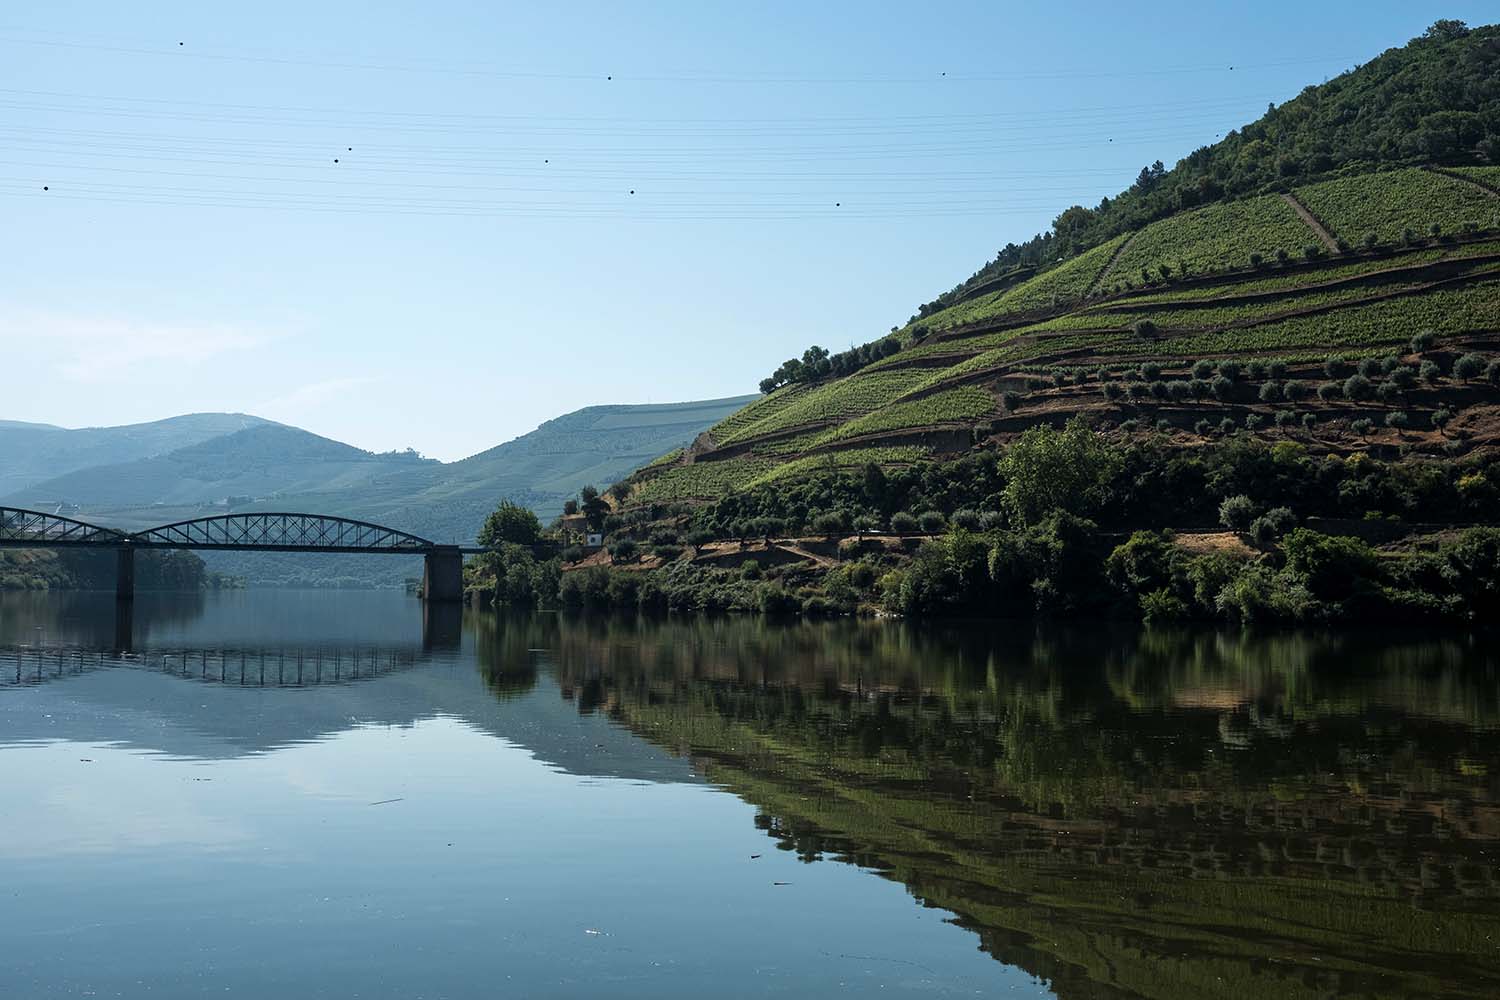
<point>32,453</point>
<point>266,466</point>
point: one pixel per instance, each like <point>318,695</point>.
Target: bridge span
<point>261,531</point>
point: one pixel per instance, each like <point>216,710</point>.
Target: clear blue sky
<point>476,263</point>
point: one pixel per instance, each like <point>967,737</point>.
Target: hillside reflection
<point>1159,815</point>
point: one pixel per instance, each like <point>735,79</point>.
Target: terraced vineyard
<point>1389,204</point>
<point>1299,311</point>
<point>1063,285</point>
<point>1220,236</point>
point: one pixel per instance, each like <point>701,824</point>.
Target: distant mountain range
<point>190,466</point>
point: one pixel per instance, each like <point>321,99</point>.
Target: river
<point>346,794</point>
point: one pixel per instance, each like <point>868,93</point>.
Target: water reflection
<point>1114,814</point>
<point>1164,815</point>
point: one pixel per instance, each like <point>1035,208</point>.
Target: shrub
<point>1408,237</point>
<point>1255,370</point>
<point>1430,371</point>
<point>1199,388</point>
<point>1388,393</point>
<point>1276,369</point>
<point>572,553</point>
<point>1203,369</point>
<point>1270,392</point>
<point>1223,388</point>
<point>1271,525</point>
<point>1312,251</point>
<point>1163,425</point>
<point>1137,391</point>
<point>1334,367</point>
<point>1112,391</point>
<point>666,553</point>
<point>1435,230</point>
<point>1423,341</point>
<point>1403,377</point>
<point>1130,426</point>
<point>774,599</point>
<point>1150,371</point>
<point>1203,427</point>
<point>1144,329</point>
<point>1236,512</point>
<point>1229,369</point>
<point>1282,256</point>
<point>1226,426</point>
<point>1294,390</point>
<point>1285,418</point>
<point>1256,260</point>
<point>1330,391</point>
<point>1179,390</point>
<point>1011,400</point>
<point>903,523</point>
<point>1158,389</point>
<point>1370,367</point>
<point>1309,421</point>
<point>624,550</point>
<point>1253,421</point>
<point>932,521</point>
<point>1371,241</point>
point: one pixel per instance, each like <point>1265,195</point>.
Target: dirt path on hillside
<point>1099,281</point>
<point>1311,220</point>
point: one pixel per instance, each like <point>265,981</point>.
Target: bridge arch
<point>19,526</point>
<point>281,532</point>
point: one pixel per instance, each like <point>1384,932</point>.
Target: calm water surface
<point>280,794</point>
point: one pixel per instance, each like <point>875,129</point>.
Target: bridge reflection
<point>289,664</point>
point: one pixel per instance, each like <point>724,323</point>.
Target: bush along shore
<point>1063,522</point>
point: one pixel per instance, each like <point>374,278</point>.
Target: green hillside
<point>1353,231</point>
<point>1262,386</point>
<point>33,453</point>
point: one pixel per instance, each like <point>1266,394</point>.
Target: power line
<point>609,75</point>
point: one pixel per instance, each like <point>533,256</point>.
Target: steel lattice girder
<point>284,532</point>
<point>35,528</point>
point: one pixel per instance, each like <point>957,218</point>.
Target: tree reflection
<point>1167,814</point>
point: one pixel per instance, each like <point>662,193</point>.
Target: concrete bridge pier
<point>125,573</point>
<point>443,574</point>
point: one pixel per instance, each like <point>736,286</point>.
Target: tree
<point>932,521</point>
<point>1363,426</point>
<point>1358,387</point>
<point>570,507</point>
<point>1399,421</point>
<point>1202,369</point>
<point>1270,392</point>
<point>1112,391</point>
<point>1423,341</point>
<point>1430,371</point>
<point>1145,329</point>
<point>1468,366</point>
<point>510,523</point>
<point>1236,512</point>
<point>902,523</point>
<point>1441,417</point>
<point>624,550</point>
<point>1011,400</point>
<point>1048,470</point>
<point>698,538</point>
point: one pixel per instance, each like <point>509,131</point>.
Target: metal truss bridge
<point>247,532</point>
